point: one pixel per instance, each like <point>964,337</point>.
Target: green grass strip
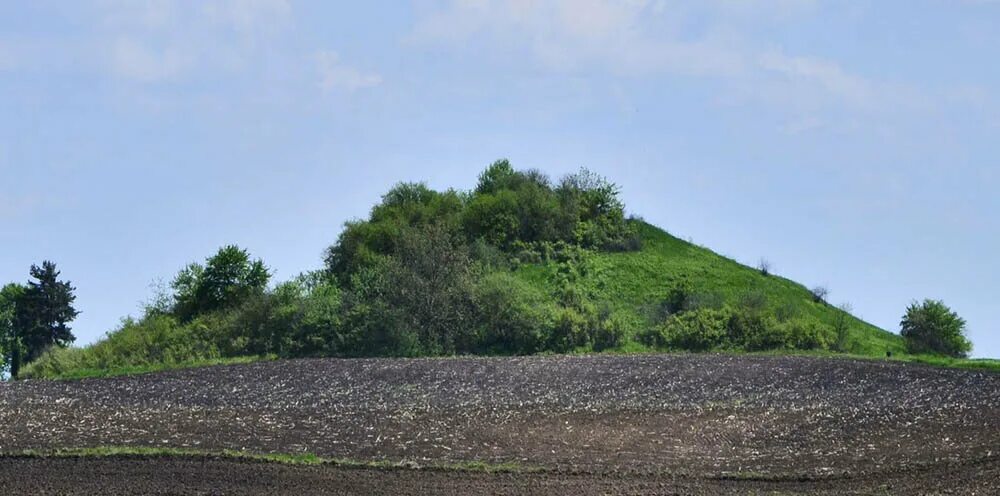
<point>90,373</point>
<point>282,458</point>
<point>935,361</point>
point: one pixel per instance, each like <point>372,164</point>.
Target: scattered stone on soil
<point>694,416</point>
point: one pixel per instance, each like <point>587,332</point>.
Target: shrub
<point>55,361</point>
<point>932,327</point>
<point>614,330</point>
<point>755,331</point>
<point>514,317</point>
<point>698,330</point>
<point>842,328</point>
<point>493,217</point>
<point>488,256</point>
<point>678,299</point>
<point>298,318</point>
<point>752,301</point>
<point>157,339</point>
<point>787,311</point>
<point>802,334</point>
<point>572,330</point>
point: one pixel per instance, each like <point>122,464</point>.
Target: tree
<point>499,175</point>
<point>819,294</point>
<point>227,279</point>
<point>10,344</point>
<point>764,266</point>
<point>932,327</point>
<point>432,284</point>
<point>42,314</point>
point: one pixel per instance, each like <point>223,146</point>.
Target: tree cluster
<point>35,317</point>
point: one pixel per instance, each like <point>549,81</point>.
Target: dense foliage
<point>519,265</point>
<point>10,344</point>
<point>35,317</point>
<point>226,280</point>
<point>932,327</point>
<point>508,209</point>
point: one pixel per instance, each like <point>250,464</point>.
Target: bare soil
<point>206,475</point>
<point>653,424</point>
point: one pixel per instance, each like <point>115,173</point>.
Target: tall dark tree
<point>10,344</point>
<point>42,314</point>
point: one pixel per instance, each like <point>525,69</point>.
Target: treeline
<point>440,273</point>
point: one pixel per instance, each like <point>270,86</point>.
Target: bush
<point>372,327</point>
<point>698,330</point>
<point>803,334</point>
<point>615,330</point>
<point>493,217</point>
<point>573,329</point>
<point>842,328</point>
<point>155,340</point>
<point>514,317</point>
<point>298,318</point>
<point>757,332</point>
<point>678,299</point>
<point>54,362</point>
<point>752,301</point>
<point>932,327</point>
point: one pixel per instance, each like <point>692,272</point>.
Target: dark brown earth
<point>201,475</point>
<point>714,423</point>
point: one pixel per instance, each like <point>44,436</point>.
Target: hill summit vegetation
<point>519,265</point>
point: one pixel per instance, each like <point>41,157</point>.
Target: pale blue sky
<point>852,143</point>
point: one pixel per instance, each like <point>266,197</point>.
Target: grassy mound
<point>519,265</point>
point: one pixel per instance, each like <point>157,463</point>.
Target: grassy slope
<point>632,280</point>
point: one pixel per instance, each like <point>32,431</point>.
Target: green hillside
<point>519,265</point>
<point>633,281</point>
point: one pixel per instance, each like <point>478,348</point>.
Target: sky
<point>853,144</point>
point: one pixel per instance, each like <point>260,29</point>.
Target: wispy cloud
<point>18,206</point>
<point>134,60</point>
<point>826,74</point>
<point>335,75</point>
<point>643,37</point>
<point>250,16</point>
<point>168,40</point>
<point>161,53</point>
